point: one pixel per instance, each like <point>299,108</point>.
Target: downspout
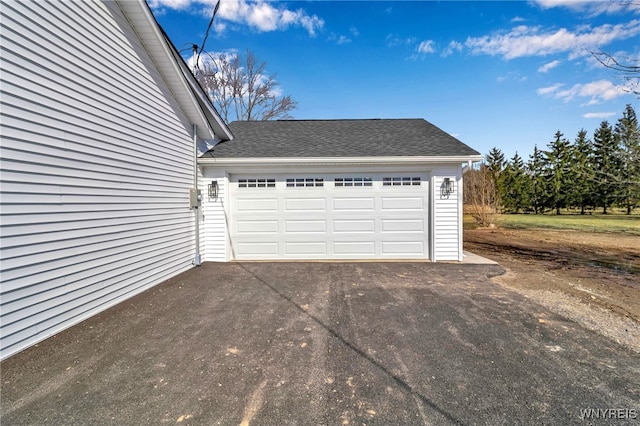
<point>197,261</point>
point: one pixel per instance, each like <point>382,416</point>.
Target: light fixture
<point>447,187</point>
<point>213,189</point>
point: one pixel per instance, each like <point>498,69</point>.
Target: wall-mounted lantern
<point>213,189</point>
<point>446,188</point>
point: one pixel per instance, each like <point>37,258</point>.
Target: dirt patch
<point>592,278</point>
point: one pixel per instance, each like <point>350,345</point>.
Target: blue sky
<point>504,74</point>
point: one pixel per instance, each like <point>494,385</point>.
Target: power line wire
<point>206,36</point>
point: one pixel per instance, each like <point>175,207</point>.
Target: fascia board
<point>297,161</point>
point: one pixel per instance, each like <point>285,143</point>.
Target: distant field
<point>617,223</point>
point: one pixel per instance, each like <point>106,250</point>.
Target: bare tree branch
<point>627,67</point>
<point>240,87</point>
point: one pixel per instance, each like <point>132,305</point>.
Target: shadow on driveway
<point>323,343</point>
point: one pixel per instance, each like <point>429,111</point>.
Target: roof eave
<point>298,161</point>
<point>213,118</point>
<point>174,71</point>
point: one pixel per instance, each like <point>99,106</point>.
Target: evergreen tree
<point>606,165</point>
<point>628,134</point>
<point>495,163</point>
<point>582,171</point>
<point>557,172</point>
<point>537,184</point>
<point>517,185</point>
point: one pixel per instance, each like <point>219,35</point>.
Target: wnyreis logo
<point>608,413</point>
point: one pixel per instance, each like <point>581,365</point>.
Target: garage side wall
<point>96,167</point>
<point>215,227</point>
<point>447,214</point>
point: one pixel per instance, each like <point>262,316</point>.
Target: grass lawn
<point>617,223</point>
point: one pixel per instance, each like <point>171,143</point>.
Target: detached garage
<point>334,189</point>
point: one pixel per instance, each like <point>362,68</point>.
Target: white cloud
<point>512,76</point>
<point>595,91</point>
<point>599,114</point>
<point>343,39</point>
<point>453,46</point>
<point>426,47</point>
<point>394,40</point>
<point>171,4</point>
<point>548,4</point>
<point>591,7</point>
<point>517,19</point>
<point>548,66</point>
<point>261,15</point>
<point>524,41</point>
<point>311,24</point>
<point>265,18</point>
<point>339,39</point>
<point>549,89</point>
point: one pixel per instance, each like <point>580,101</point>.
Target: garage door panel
<point>403,225</point>
<point>254,249</point>
<point>403,247</point>
<point>305,226</point>
<point>261,226</point>
<point>402,203</point>
<point>305,204</point>
<point>306,248</point>
<point>350,203</point>
<point>356,225</point>
<point>257,205</point>
<point>354,248</point>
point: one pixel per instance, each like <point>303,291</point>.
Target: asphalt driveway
<point>324,344</point>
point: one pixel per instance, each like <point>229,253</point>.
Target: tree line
<point>587,174</point>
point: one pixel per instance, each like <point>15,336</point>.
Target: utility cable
<point>206,35</point>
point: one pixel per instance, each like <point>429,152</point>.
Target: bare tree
<point>240,88</point>
<point>481,196</point>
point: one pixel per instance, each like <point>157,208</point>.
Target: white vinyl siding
<point>215,221</point>
<point>95,168</point>
<point>447,213</point>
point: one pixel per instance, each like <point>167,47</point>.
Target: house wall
<point>95,169</point>
<point>447,214</point>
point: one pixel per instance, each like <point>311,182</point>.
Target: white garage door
<point>337,216</point>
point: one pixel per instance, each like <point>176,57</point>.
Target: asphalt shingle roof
<point>338,138</point>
